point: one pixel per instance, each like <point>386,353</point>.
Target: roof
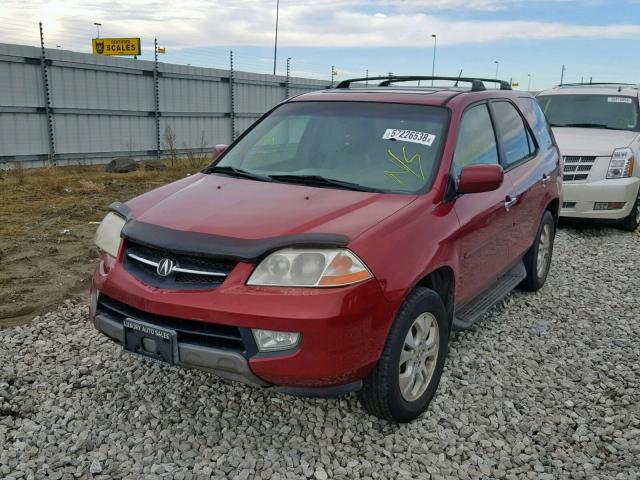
<point>382,95</point>
<point>614,89</point>
<point>415,96</point>
<point>357,90</point>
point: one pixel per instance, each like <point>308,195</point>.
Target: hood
<point>248,209</point>
<point>591,141</point>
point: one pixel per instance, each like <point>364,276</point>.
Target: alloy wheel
<point>544,251</point>
<point>419,356</point>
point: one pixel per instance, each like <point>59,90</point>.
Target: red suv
<point>336,243</point>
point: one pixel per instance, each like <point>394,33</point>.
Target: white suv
<point>597,127</point>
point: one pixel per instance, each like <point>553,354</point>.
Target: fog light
<point>271,341</point>
<point>608,205</point>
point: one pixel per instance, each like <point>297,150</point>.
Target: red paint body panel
<point>360,314</point>
<point>401,238</point>
<point>249,209</point>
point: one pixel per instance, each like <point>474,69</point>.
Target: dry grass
<point>88,186</point>
<point>54,180</point>
<point>48,200</point>
<point>18,173</point>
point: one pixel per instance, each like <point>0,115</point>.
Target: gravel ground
<point>545,386</point>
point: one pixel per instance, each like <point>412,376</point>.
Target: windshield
<point>591,111</point>
<point>367,146</point>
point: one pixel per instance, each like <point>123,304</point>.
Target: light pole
<point>433,63</point>
<point>98,25</point>
<point>528,82</point>
<point>497,65</point>
<point>562,74</point>
<point>275,48</point>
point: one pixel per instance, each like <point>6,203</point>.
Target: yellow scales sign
<point>116,46</point>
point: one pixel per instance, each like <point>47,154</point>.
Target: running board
<point>469,313</point>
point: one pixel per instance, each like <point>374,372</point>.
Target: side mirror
<point>480,178</point>
<point>219,150</point>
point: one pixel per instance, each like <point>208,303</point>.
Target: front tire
<point>537,260</point>
<point>408,372</point>
<point>632,221</point>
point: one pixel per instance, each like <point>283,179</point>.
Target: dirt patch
<point>47,228</point>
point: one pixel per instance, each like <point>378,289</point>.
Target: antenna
<point>459,75</point>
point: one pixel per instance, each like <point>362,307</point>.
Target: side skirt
<point>467,315</point>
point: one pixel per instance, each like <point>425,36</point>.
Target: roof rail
<point>477,84</point>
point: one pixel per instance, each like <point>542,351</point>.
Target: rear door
<point>485,223</point>
<point>527,170</point>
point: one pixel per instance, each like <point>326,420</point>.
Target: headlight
<point>621,163</point>
<point>108,234</point>
<point>297,267</point>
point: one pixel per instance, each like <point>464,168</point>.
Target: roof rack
<point>477,84</point>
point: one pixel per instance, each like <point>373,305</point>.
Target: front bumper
<point>224,363</point>
<point>343,329</point>
<point>582,196</point>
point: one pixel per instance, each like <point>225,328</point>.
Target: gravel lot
<point>546,386</point>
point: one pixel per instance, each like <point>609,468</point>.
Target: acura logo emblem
<point>165,267</point>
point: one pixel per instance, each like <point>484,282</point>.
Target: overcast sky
<point>593,38</point>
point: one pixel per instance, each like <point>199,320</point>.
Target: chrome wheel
<point>419,356</point>
<point>544,251</point>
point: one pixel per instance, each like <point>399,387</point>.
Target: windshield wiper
<point>584,125</point>
<point>237,172</point>
<point>317,180</point>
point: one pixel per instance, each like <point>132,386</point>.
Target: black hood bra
<point>217,246</point>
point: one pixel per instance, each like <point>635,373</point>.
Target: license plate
<point>158,343</point>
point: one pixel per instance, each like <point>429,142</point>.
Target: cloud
<point>303,23</point>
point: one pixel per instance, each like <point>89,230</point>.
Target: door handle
<point>510,202</point>
<point>545,179</point>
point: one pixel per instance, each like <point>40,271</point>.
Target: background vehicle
<point>335,244</point>
<point>597,127</point>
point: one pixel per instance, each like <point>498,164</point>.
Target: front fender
<point>409,245</point>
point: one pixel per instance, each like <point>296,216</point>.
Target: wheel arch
<point>442,281</point>
<point>554,208</point>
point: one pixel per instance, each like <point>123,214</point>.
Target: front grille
<point>189,331</point>
<point>190,272</point>
<point>577,168</point>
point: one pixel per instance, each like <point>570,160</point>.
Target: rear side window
<point>538,122</point>
<point>476,140</point>
<point>513,133</point>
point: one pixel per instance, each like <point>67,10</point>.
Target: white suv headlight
<point>108,234</point>
<point>303,267</point>
<point>621,163</point>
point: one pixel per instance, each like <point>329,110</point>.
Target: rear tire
<point>632,221</point>
<point>406,377</point>
<point>537,260</point>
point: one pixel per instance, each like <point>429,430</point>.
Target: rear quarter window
<point>537,121</point>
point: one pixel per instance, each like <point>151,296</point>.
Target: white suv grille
<point>577,168</point>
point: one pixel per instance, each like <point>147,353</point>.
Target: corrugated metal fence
<point>66,108</point>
